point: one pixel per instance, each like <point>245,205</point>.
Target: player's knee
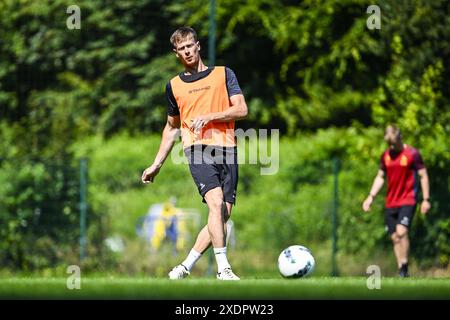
<point>214,199</point>
<point>395,238</point>
<point>402,234</point>
<point>401,231</point>
<point>215,204</point>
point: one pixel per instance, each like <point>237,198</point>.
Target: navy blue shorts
<point>400,215</point>
<point>212,167</point>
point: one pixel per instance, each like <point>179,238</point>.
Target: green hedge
<point>272,211</point>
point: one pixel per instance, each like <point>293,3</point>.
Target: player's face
<point>188,52</point>
<point>391,136</point>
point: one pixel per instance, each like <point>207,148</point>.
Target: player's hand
<point>199,122</point>
<point>425,206</point>
<point>150,173</point>
<point>367,203</point>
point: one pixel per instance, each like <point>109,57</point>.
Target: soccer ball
<point>296,262</point>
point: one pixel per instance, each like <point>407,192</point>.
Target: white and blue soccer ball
<point>296,262</point>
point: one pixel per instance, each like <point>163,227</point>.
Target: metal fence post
<point>83,206</point>
<point>334,270</point>
<point>212,33</point>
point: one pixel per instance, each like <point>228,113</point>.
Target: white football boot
<point>178,272</point>
<point>227,274</point>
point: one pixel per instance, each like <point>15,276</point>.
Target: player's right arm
<point>169,135</point>
<point>376,187</point>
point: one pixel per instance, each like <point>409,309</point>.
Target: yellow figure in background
<point>169,214</point>
<point>182,234</point>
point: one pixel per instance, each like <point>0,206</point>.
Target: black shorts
<point>212,167</point>
<point>400,215</point>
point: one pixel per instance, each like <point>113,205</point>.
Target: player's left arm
<point>424,181</point>
<point>425,184</point>
<point>238,110</point>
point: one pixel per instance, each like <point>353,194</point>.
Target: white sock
<point>221,258</point>
<point>191,259</point>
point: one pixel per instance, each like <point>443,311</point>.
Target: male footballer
<point>204,102</point>
<point>401,164</point>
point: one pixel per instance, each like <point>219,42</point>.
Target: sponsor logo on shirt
<point>403,161</point>
<point>387,159</point>
<point>199,89</point>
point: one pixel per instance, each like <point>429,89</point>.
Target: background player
<point>401,164</point>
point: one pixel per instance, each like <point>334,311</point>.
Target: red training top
<point>401,170</point>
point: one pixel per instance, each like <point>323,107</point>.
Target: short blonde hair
<point>395,129</point>
<point>181,34</point>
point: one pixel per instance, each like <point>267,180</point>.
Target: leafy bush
<point>272,211</point>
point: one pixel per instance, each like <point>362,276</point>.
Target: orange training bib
<point>201,97</point>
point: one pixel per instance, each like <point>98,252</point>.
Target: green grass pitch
<point>201,288</point>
